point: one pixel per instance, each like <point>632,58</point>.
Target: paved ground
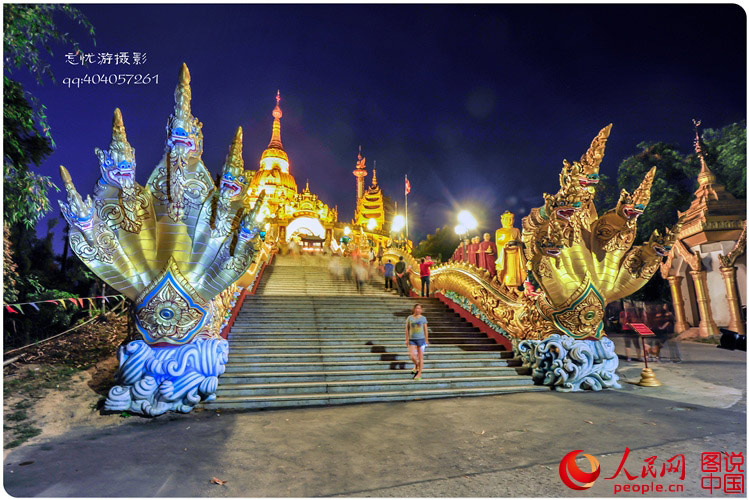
<point>488,446</point>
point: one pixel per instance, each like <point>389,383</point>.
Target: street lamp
<point>460,230</point>
<point>371,224</point>
<point>399,222</point>
<point>467,220</point>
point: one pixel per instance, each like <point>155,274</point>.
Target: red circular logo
<point>569,471</point>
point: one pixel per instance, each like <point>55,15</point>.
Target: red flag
<point>10,309</point>
<point>408,186</point>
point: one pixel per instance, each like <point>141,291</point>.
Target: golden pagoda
<point>290,214</point>
<point>273,177</point>
<point>371,205</point>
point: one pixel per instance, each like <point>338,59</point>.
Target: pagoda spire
<point>275,140</point>
<point>360,172</point>
<point>374,174</point>
<point>705,176</point>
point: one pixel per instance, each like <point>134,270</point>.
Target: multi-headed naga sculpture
<point>577,263</point>
<point>172,247</point>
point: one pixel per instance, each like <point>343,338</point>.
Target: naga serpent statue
<point>577,262</point>
<point>174,247</point>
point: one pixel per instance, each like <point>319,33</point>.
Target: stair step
<point>239,365</point>
<point>405,383</point>
<point>239,377</point>
<point>361,397</point>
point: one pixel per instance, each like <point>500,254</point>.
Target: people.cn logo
<point>572,475</point>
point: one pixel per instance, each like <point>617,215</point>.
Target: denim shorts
<point>418,342</point>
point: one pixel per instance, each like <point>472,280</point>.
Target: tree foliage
<point>726,156</point>
<point>439,245</point>
<point>29,32</point>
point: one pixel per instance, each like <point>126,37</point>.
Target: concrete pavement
<point>507,445</point>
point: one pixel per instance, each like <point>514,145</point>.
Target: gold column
<point>707,327</point>
<point>679,315</point>
<point>729,278</point>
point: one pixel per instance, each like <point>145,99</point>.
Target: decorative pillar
<point>708,328</point>
<point>729,278</point>
<point>680,324</point>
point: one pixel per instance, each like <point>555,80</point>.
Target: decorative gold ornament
<point>173,245</point>
<point>647,378</point>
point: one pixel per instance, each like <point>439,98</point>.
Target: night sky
<point>477,104</point>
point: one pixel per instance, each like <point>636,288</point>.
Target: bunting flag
<point>408,186</point>
<point>78,301</point>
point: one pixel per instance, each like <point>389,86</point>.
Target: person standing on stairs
<point>389,269</point>
<point>417,339</point>
<point>402,278</point>
<point>425,274</point>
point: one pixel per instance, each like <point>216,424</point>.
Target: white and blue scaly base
<point>569,364</point>
<point>154,380</point>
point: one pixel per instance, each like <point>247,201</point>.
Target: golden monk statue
<point>510,259</point>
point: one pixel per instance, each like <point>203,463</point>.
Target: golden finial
<point>184,75</point>
<point>234,158</point>
<point>592,158</point>
<point>374,174</point>
<point>641,196</point>
<point>118,127</point>
<point>65,175</point>
<point>705,176</point>
<point>359,152</point>
<point>275,139</point>
<point>182,95</point>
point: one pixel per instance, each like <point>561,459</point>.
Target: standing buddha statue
<point>510,259</point>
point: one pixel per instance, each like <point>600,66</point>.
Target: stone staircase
<point>309,338</point>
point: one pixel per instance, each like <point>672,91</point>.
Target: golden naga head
<point>234,182</point>
<point>631,206</point>
<point>579,179</point>
<point>661,244</point>
<point>184,131</point>
<point>77,213</point>
<point>117,164</point>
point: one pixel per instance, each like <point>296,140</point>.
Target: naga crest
<point>175,244</point>
<point>596,262</point>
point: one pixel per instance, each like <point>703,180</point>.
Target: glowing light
<point>467,220</point>
<point>346,230</point>
<point>371,224</point>
<point>460,230</point>
<point>399,222</point>
<point>267,226</point>
<point>306,226</point>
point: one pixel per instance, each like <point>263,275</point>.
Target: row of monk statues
<point>502,257</point>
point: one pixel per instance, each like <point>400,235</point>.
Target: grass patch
<point>23,432</point>
<point>32,382</point>
<point>17,416</point>
<point>708,340</point>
